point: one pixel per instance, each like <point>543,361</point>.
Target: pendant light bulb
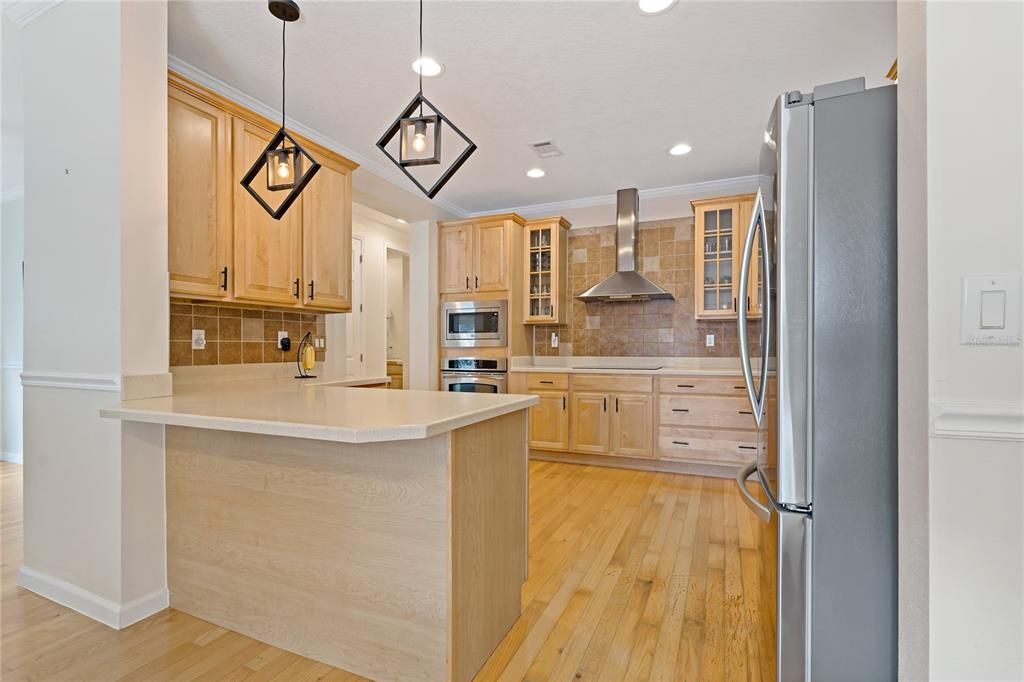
<point>419,136</point>
<point>283,169</point>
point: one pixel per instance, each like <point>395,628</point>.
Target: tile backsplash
<point>237,334</point>
<point>648,329</point>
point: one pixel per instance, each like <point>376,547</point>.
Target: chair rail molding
<point>82,382</point>
<point>977,420</point>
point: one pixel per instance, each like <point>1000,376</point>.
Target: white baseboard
<point>14,457</point>
<point>109,613</point>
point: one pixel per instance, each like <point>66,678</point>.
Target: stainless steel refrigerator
<point>821,376</point>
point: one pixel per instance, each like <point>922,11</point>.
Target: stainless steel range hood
<point>626,284</point>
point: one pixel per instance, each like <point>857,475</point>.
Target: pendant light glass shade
<point>421,141</point>
<point>284,164</point>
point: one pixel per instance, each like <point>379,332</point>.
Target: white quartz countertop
<point>620,365</point>
<point>321,409</point>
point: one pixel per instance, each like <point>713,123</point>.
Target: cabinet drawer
<point>612,383</point>
<point>702,385</point>
<point>547,382</point>
<point>706,411</point>
<point>706,446</point>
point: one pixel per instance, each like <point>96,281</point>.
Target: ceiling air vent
<point>546,149</point>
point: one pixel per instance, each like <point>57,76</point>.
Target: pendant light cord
<point>284,52</point>
<point>420,70</point>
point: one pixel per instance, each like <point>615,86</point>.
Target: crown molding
<point>13,193</point>
<point>723,187</point>
<point>22,12</point>
<point>366,163</point>
<point>977,420</point>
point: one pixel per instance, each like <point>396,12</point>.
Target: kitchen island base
<point>396,560</point>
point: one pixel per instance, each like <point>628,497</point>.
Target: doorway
<point>396,300</point>
<point>354,351</point>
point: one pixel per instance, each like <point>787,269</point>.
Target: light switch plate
<point>990,310</point>
<point>709,340</point>
<point>198,339</point>
<point>554,339</point>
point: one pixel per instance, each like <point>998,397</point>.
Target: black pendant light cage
<point>288,166</point>
<point>419,134</point>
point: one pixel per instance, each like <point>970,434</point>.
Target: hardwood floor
<point>632,576</point>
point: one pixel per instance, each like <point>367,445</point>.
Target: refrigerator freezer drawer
<point>730,386</point>
<point>718,413</point>
<point>732,448</point>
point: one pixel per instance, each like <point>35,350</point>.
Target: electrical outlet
<point>198,339</point>
<point>554,339</point>
<point>280,336</point>
<point>709,340</point>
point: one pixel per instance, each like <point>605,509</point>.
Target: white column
<point>423,305</point>
<point>96,305</point>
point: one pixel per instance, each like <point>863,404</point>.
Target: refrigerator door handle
<point>756,395</point>
<point>761,511</point>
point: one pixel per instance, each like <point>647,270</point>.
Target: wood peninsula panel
<point>489,533</point>
<point>320,548</point>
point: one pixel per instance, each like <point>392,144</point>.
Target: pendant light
<point>285,164</point>
<point>418,130</point>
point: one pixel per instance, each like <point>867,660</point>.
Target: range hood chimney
<point>626,284</point>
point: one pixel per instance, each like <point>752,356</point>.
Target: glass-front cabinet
<point>720,228</point>
<point>546,281</point>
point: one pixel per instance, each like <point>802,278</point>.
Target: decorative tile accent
<point>237,334</point>
<point>651,328</point>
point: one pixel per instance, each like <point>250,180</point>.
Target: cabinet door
<point>456,259</point>
<point>752,296</point>
<point>717,235</point>
<point>590,422</point>
<point>268,263</point>
<point>199,196</point>
<point>549,421</point>
<point>632,425</point>
<point>490,257</point>
<point>327,239</point>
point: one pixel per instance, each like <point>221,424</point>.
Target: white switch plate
<point>554,339</point>
<point>198,339</point>
<point>990,310</point>
<point>709,340</point>
<point>281,335</point>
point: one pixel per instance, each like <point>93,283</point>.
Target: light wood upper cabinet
<point>222,245</point>
<point>590,422</point>
<point>549,421</point>
<point>456,258</point>
<point>720,228</point>
<point>631,425</point>
<point>491,256</point>
<point>199,196</point>
<point>327,239</point>
<point>268,252</point>
<point>546,281</point>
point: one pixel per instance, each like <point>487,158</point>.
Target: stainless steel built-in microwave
<point>472,324</point>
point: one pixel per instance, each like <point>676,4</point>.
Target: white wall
<point>969,73</point>
<point>424,306</point>
<point>12,252</point>
<point>397,295</point>
<point>95,304</point>
<point>378,232</point>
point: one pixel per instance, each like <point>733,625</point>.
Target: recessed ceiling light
<point>655,6</point>
<point>535,173</point>
<point>400,220</point>
<point>680,149</point>
<point>429,67</point>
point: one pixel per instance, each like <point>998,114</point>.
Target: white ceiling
<point>612,87</point>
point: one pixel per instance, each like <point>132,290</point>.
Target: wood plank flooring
<point>632,576</point>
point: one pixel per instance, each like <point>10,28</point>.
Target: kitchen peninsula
<point>380,531</point>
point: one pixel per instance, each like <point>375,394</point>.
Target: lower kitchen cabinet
<point>590,422</point>
<point>631,432</point>
<point>549,421</point>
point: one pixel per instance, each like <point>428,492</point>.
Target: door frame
<point>357,324</point>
